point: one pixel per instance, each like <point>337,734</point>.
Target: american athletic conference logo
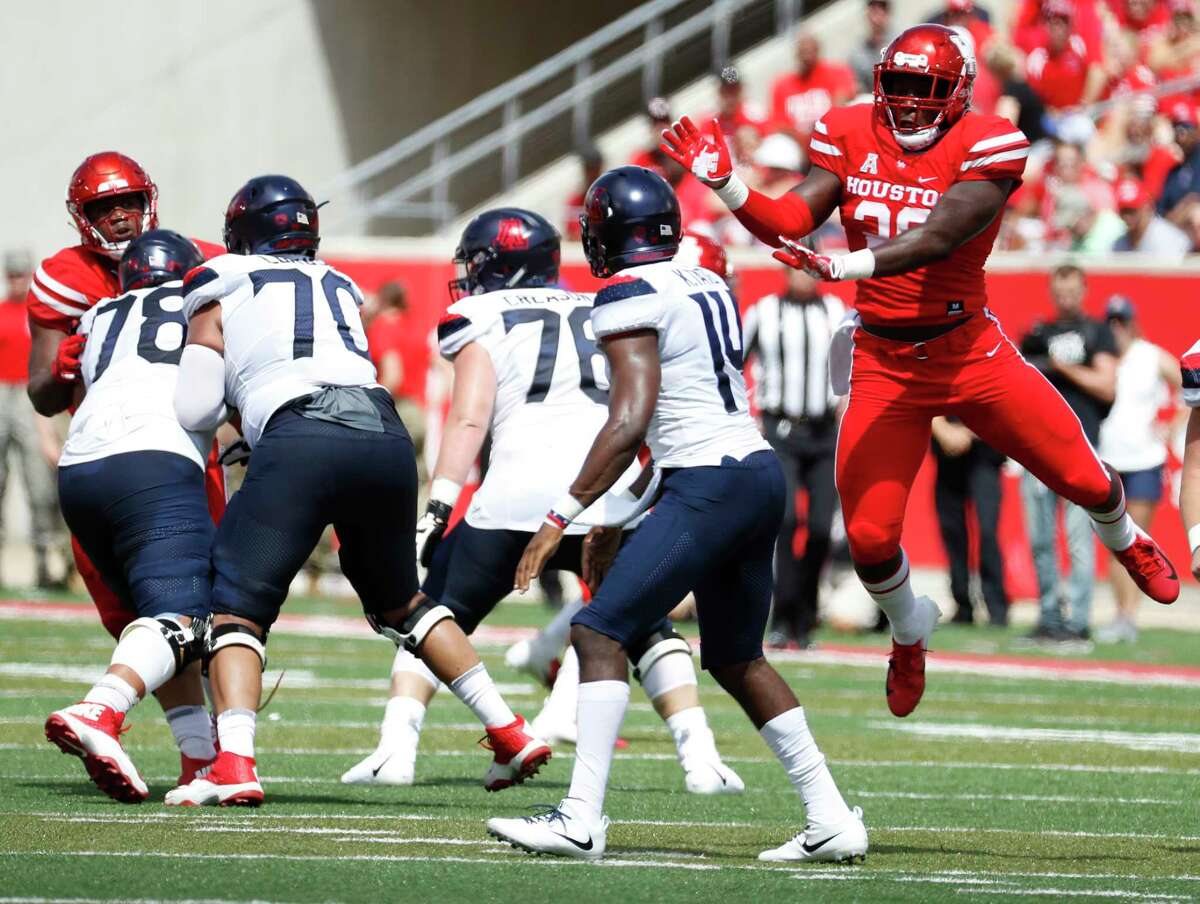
<point>511,235</point>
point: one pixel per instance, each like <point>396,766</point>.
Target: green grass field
<point>998,789</point>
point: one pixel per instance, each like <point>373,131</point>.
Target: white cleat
<point>711,777</point>
<point>839,843</point>
<point>231,781</point>
<point>383,767</point>
<point>554,832</point>
<point>524,657</point>
<point>555,728</point>
<point>92,732</point>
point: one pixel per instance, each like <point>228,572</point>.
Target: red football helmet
<point>923,84</point>
<point>103,175</point>
<point>698,249</point>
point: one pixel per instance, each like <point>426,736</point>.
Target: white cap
<point>778,151</point>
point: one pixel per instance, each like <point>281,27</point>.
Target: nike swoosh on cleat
<point>375,771</point>
<point>579,844</point>
<point>812,848</point>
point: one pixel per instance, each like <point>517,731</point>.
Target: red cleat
<point>906,669</point>
<point>92,732</point>
<point>231,781</point>
<point>1150,569</point>
<point>190,768</point>
<point>518,755</point>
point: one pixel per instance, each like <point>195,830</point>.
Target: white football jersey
<point>701,416</point>
<point>551,400</point>
<point>130,366</point>
<point>291,328</point>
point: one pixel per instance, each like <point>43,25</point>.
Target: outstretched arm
<point>794,215</point>
<point>633,361</point>
<point>963,212</point>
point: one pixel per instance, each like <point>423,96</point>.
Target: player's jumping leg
<point>1017,411</point>
<point>394,761</point>
<point>541,657</point>
<point>881,443</point>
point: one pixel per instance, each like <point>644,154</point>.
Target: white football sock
<point>401,728</point>
<point>895,597</point>
<point>693,737</point>
<point>552,638</point>
<point>790,740</point>
<point>475,688</point>
<point>146,652</point>
<point>114,692</point>
<point>564,696</point>
<point>406,662</point>
<point>192,729</point>
<point>235,729</point>
<point>601,709</point>
<point>1115,529</point>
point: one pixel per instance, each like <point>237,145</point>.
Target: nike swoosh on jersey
<point>996,349</point>
<point>924,179</point>
<point>810,848</point>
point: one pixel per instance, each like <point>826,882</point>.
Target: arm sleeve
<point>200,389</point>
<point>995,153</point>
<point>626,303</point>
<point>769,218</point>
<point>1189,366</point>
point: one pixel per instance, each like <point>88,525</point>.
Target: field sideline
<point>1021,777</point>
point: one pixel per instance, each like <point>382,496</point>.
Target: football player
<point>111,200</point>
<point>672,337</point>
<point>276,333</point>
<point>131,487</point>
<point>526,371</point>
<point>1189,488</point>
<point>921,183</point>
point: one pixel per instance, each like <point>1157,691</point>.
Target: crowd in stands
<point>1106,90</point>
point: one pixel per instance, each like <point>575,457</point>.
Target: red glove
<point>704,156</point>
<point>66,365</point>
<point>799,257</point>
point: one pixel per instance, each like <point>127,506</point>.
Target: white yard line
<point>1175,742</point>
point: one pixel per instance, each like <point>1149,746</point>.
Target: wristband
<point>1194,537</point>
<point>734,192</point>
<point>445,490</point>
<point>858,264</point>
<point>565,510</point>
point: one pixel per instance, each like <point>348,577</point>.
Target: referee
<point>787,337</point>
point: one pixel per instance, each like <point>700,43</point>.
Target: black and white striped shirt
<point>789,341</point>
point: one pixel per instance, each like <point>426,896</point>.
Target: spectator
<point>879,34</point>
<point>1181,189</point>
<point>965,15</point>
<point>1078,356</point>
<point>1079,227</point>
<point>658,115</point>
<point>1068,174</point>
<point>400,354</point>
<point>21,434</point>
<point>1030,26</point>
<point>968,470</point>
<point>1063,69</point>
<point>1018,103</point>
<point>787,337</point>
<point>1175,51</point>
<point>1132,442</point>
<point>591,166</point>
<point>1141,18</point>
<point>734,112</point>
<point>1145,231</point>
<point>800,98</point>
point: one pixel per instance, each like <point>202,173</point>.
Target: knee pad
<point>187,644</point>
<point>234,635</point>
<point>646,654</point>
<point>415,628</point>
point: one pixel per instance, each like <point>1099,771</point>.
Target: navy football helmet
<point>272,215</point>
<point>505,248</point>
<point>155,257</point>
<point>630,216</point>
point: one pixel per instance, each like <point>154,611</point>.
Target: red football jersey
<point>1059,79</point>
<point>70,281</point>
<point>798,101</point>
<point>886,190</point>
